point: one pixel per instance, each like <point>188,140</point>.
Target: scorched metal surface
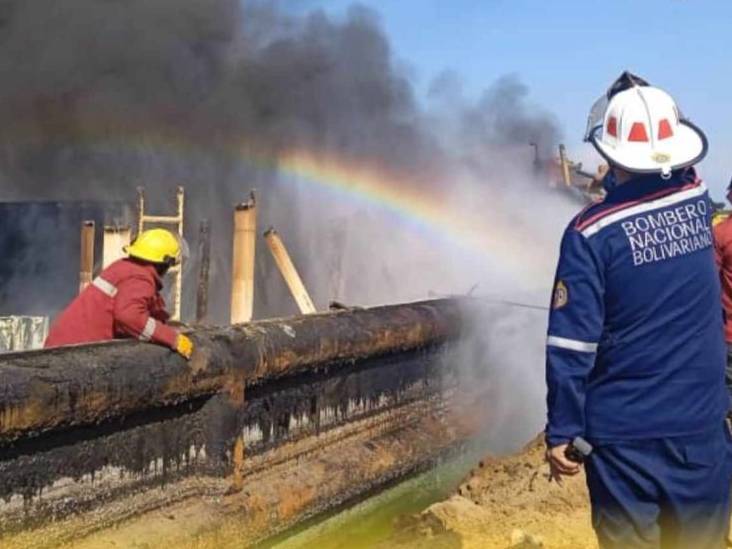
<point>95,435</point>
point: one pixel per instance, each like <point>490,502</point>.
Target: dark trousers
<point>670,493</point>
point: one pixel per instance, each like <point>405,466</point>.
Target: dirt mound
<point>505,503</point>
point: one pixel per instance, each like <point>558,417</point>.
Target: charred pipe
<point>86,384</point>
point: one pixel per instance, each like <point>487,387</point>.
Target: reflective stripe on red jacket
<point>123,301</point>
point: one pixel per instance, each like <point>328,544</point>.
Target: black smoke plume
<point>100,96</point>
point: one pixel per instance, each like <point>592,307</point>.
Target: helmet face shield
<point>596,117</point>
<point>184,252</point>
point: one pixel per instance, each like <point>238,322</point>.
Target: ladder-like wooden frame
<point>175,220</point>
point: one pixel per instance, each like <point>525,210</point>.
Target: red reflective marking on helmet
<point>638,132</point>
<point>664,129</point>
<point>612,126</point>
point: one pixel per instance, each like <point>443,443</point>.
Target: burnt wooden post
<point>242,261</point>
<point>204,255</point>
<point>86,260</point>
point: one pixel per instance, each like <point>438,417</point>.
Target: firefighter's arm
<point>723,257</point>
<point>132,314</point>
<point>575,327</point>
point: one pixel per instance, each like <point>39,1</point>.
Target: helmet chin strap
<point>666,172</point>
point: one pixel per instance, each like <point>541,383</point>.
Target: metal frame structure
<point>174,220</point>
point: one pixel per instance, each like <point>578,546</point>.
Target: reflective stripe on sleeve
<point>643,207</point>
<point>105,286</point>
<point>149,329</point>
<point>571,344</point>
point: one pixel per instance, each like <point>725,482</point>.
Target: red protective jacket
<point>723,253</point>
<point>123,301</point>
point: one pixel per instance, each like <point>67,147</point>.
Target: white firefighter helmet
<point>640,129</point>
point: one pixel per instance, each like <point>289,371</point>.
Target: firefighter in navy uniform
<point>124,301</point>
<point>635,346</point>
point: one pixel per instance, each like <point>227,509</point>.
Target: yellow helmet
<point>156,246</point>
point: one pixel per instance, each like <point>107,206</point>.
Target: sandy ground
<point>505,503</point>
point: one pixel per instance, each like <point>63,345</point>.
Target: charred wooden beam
<point>86,259</point>
<point>86,384</point>
<point>204,258</point>
<point>289,272</point>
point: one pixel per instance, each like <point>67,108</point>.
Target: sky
<point>569,51</point>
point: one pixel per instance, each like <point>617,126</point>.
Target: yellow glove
<point>184,346</point>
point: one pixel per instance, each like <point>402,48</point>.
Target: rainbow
<point>492,236</point>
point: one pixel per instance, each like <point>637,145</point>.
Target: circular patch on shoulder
<point>561,295</point>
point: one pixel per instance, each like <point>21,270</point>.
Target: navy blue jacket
<point>635,347</point>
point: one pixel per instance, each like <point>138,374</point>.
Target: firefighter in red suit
<point>723,252</point>
<point>124,301</point>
